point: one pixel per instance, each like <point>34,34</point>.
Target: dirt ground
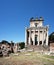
<point>29,58</point>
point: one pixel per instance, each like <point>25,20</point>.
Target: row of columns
<point>46,36</point>
<point>34,38</point>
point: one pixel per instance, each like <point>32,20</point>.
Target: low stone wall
<point>38,48</point>
<point>51,47</point>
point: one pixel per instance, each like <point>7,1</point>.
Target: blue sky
<point>15,15</point>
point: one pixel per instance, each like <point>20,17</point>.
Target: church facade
<point>36,34</point>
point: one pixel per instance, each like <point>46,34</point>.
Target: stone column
<point>47,37</point>
<point>34,38</point>
<point>29,37</point>
<point>25,36</point>
<point>38,37</point>
<point>42,37</point>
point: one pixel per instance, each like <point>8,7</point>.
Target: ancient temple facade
<point>36,34</point>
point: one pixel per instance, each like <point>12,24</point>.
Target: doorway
<point>36,40</point>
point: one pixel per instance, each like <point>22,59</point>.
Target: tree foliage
<point>4,41</point>
<point>51,37</point>
<point>22,45</point>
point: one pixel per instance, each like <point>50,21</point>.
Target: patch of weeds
<point>45,64</point>
<point>47,56</point>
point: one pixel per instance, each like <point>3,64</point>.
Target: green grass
<point>47,56</point>
<point>22,59</point>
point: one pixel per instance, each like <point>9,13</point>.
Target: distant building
<point>36,34</point>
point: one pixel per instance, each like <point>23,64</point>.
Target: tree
<point>4,41</point>
<point>51,37</point>
<point>22,45</point>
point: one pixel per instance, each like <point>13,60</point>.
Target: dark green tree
<point>51,37</point>
<point>22,45</point>
<point>4,41</point>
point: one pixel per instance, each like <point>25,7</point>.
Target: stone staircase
<point>38,48</point>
